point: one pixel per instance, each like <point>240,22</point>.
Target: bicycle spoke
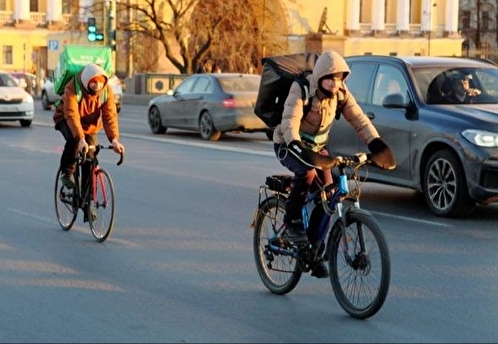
<point>101,209</point>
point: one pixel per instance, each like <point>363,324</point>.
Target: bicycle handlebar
<point>97,148</point>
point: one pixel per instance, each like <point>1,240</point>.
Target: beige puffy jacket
<point>317,123</point>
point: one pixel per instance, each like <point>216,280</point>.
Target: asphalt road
<point>179,266</point>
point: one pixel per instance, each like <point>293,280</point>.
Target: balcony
<point>36,19</point>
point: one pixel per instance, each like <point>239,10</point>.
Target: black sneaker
<point>320,270</point>
<point>92,214</point>
<point>67,180</point>
<point>294,233</point>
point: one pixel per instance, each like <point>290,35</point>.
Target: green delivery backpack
<point>74,58</point>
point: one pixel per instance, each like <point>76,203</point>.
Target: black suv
<point>445,146</point>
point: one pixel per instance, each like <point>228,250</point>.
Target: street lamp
<point>430,30</point>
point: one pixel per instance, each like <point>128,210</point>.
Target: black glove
<point>381,154</point>
<point>311,158</point>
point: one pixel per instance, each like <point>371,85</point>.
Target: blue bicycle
<point>348,237</point>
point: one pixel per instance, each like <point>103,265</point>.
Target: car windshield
<point>443,85</point>
<point>240,84</point>
<point>7,81</point>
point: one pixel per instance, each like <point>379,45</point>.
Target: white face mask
<point>96,85</point>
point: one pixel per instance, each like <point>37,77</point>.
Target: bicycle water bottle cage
<point>279,182</point>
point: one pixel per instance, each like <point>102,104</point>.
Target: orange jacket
<point>88,116</point>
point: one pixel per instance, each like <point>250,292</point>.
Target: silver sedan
<point>210,104</point>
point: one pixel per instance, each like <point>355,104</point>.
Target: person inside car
<point>460,91</point>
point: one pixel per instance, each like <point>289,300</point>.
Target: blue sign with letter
<point>53,45</point>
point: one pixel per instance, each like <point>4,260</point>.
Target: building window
<point>3,5</point>
<point>485,20</point>
<point>7,55</point>
<point>66,6</point>
<point>465,19</point>
<point>33,6</point>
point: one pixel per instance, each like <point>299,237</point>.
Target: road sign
<point>53,44</point>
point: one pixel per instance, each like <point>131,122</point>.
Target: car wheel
<point>155,122</point>
<point>269,134</point>
<point>45,102</point>
<point>207,129</point>
<point>445,187</point>
<point>25,123</point>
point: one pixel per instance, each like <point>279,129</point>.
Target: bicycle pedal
<point>279,242</point>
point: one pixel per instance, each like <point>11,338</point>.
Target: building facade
<point>34,32</point>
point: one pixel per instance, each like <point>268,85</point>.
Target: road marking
<point>201,145</point>
<point>432,223</point>
<point>31,215</point>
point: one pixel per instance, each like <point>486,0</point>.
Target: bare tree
<point>192,32</point>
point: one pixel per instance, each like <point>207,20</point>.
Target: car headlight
<point>481,138</point>
<point>27,98</point>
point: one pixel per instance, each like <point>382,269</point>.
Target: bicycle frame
<point>329,196</point>
<point>88,190</point>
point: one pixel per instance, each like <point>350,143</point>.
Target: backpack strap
<point>305,90</point>
<point>340,105</point>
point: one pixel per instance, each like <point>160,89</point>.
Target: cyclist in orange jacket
<point>80,121</point>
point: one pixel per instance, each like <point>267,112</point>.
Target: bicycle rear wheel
<point>280,273</point>
<point>360,268</point>
<point>66,204</point>
<point>101,207</point>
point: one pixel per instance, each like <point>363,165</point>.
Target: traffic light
<point>91,28</point>
<point>112,40</point>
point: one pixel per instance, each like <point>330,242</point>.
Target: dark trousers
<point>302,181</point>
<point>70,153</point>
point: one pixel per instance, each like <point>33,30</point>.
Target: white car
<point>15,103</point>
<point>49,97</point>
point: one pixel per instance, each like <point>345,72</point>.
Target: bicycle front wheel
<point>360,268</point>
<point>279,272</point>
<point>101,207</point>
<point>66,203</point>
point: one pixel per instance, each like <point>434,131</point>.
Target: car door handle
<point>370,115</point>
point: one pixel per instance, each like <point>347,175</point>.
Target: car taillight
<point>231,103</point>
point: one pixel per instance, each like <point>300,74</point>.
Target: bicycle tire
<point>279,273</point>
<point>66,204</point>
<point>360,286</point>
<point>102,205</point>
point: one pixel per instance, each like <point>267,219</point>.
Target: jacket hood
<point>328,62</point>
<point>89,72</point>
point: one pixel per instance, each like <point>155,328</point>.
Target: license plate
<point>9,109</point>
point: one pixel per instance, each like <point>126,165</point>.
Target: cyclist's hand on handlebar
<point>117,146</point>
<point>332,162</point>
<point>82,146</point>
<point>382,155</point>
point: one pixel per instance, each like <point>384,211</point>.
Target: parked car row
<point>49,97</point>
<point>15,103</point>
